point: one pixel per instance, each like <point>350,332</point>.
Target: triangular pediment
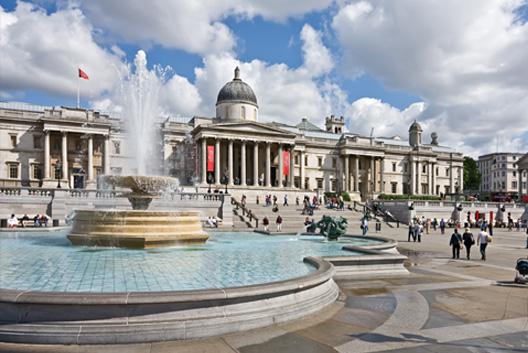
<point>247,128</point>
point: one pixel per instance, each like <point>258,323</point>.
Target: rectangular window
<point>424,169</point>
<point>296,160</point>
<point>305,161</point>
<point>437,190</point>
<point>447,172</point>
<point>37,171</point>
<point>319,183</point>
<point>405,167</point>
<point>13,141</point>
<point>333,184</point>
<point>424,189</point>
<point>446,189</point>
<point>405,189</point>
<point>394,187</point>
<point>319,161</point>
<point>393,167</point>
<point>514,174</point>
<point>307,183</point>
<point>514,184</point>
<point>37,142</point>
<point>503,165</point>
<point>503,174</point>
<point>117,148</point>
<point>503,185</point>
<point>13,170</point>
<point>334,162</point>
<point>437,171</point>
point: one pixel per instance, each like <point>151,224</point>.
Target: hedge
<point>407,197</point>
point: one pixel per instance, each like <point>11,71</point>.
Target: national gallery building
<point>44,146</point>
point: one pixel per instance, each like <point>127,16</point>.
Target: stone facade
<point>504,176</point>
<point>41,145</point>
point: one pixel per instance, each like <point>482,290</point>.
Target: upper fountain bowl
<point>141,184</point>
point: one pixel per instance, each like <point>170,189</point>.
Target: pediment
<point>246,129</point>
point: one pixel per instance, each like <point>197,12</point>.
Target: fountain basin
<point>136,228</point>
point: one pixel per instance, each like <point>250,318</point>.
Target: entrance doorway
<point>79,176</point>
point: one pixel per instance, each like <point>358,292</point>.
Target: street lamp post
<point>58,171</point>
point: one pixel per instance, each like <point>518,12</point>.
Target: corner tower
<point>236,101</point>
<point>415,134</point>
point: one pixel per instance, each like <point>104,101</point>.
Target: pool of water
<point>48,262</point>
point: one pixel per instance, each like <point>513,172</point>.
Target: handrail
<point>245,210</point>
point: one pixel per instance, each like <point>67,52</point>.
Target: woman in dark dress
<point>468,239</point>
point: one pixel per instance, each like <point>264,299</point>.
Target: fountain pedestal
<point>137,228</point>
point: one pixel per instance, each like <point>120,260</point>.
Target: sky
<point>456,67</point>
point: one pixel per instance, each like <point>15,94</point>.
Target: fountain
<point>137,228</point>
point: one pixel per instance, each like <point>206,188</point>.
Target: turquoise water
<point>47,262</point>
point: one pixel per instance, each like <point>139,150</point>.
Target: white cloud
<point>42,52</point>
<point>194,26</point>
<point>465,58</point>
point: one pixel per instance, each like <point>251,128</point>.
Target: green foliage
<point>472,176</point>
<point>407,197</point>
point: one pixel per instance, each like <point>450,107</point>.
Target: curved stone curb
<point>112,318</point>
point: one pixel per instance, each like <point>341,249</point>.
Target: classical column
<point>204,161</point>
<point>340,186</point>
<point>461,178</point>
<point>217,161</point>
<point>382,169</point>
<point>356,173</point>
<point>64,156</point>
<point>302,172</point>
<point>255,164</point>
<point>292,166</point>
<point>106,156</point>
<point>433,170</point>
<point>372,175</point>
<point>347,174</point>
<point>243,164</point>
<point>47,162</point>
<point>268,164</point>
<point>520,195</point>
<point>418,178</point>
<point>90,158</point>
<point>451,179</point>
<point>412,181</point>
<point>281,164</point>
<point>230,162</point>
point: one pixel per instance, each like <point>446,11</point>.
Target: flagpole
<point>78,91</point>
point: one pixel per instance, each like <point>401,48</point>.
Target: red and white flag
<point>83,74</point>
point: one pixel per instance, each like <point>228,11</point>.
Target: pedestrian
<point>265,223</point>
<point>411,234</point>
<point>297,201</point>
<point>257,200</point>
<point>279,223</point>
<point>364,225</point>
<point>456,242</point>
<point>482,240</point>
<point>434,223</point>
<point>419,231</point>
<point>468,239</point>
<point>442,226</point>
<point>285,201</point>
<point>490,228</point>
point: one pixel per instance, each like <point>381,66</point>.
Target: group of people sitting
<point>38,221</point>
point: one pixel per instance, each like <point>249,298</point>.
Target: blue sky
<point>456,67</point>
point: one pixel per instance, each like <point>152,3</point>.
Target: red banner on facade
<point>210,158</point>
<point>286,162</point>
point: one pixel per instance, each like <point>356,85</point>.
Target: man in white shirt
<point>483,242</point>
<point>12,222</point>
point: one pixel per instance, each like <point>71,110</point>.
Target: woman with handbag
<point>468,241</point>
<point>456,242</point>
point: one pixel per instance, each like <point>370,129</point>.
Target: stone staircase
<point>292,219</point>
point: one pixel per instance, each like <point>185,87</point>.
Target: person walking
<point>442,226</point>
<point>279,223</point>
<point>468,239</point>
<point>482,240</point>
<point>364,225</point>
<point>411,232</point>
<point>455,242</point>
<point>285,201</point>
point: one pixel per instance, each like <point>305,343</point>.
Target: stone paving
<point>444,305</point>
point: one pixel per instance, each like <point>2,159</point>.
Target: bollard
<point>378,227</point>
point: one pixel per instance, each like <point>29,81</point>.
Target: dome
<point>415,127</point>
<point>236,90</point>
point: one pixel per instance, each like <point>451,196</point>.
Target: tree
<point>472,176</point>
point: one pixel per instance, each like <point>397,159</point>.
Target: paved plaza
<point>443,305</point>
